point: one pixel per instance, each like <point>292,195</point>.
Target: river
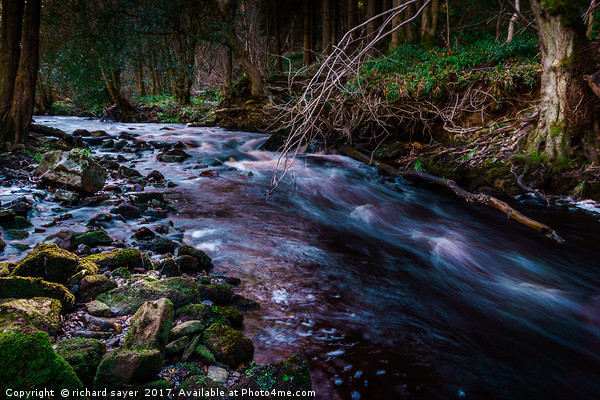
<point>390,289</point>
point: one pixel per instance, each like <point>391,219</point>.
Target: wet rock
<point>43,313</point>
<point>110,164</point>
<point>229,346</point>
<point>181,291</point>
<point>101,322</point>
<point>188,328</point>
<point>125,367</point>
<point>120,144</point>
<point>4,270</point>
<point>234,317</point>
<point>156,214</point>
<point>16,222</point>
<point>218,293</point>
<point>160,145</point>
<point>207,315</point>
<point>108,144</point>
<point>129,172</point>
<point>73,169</point>
<point>20,206</point>
<point>204,355</point>
<point>92,286</point>
<point>95,238</point>
<point>98,309</point>
<point>210,162</point>
<point>127,211</point>
<point>150,325</point>
<point>189,350</point>
<point>128,259</point>
<point>16,234</point>
<point>168,267</point>
<point>98,134</point>
<point>92,335</point>
<point>177,346</point>
<point>66,196</point>
<point>49,262</point>
<point>162,246</point>
<point>17,287</point>
<point>292,374</point>
<point>173,156</point>
<point>145,197</point>
<point>81,132</point>
<point>95,200</point>
<point>204,261</point>
<point>217,374</point>
<point>187,264</point>
<point>65,239</point>
<point>144,233</point>
<point>84,356</point>
<point>155,176</point>
<point>243,304</point>
<point>28,361</point>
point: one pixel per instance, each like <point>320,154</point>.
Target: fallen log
<point>478,198</point>
<point>52,132</point>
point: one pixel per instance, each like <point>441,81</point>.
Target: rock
<point>150,325</point>
<point>170,156</point>
<point>100,322</point>
<point>144,234</point>
<point>128,259</point>
<point>204,261</point>
<point>95,200</point>
<point>2,244</point>
<point>204,355</point>
<point>125,367</point>
<point>92,286</point>
<point>207,315</point>
<point>218,374</point>
<point>229,346</point>
<point>66,196</point>
<point>160,145</point>
<point>219,293</point>
<point>289,375</point>
<point>50,262</point>
<point>189,350</point>
<point>73,169</point>
<point>19,206</point>
<point>120,144</point>
<point>28,361</point>
<point>17,222</point>
<point>65,239</point>
<point>234,317</point>
<point>81,132</point>
<point>129,172</point>
<point>155,175</point>
<point>40,312</point>
<point>167,267</point>
<point>181,291</point>
<point>92,335</point>
<point>156,214</point>
<point>98,134</point>
<point>17,287</point>
<point>188,328</point>
<point>122,272</point>
<point>4,269</point>
<point>95,238</point>
<point>243,304</point>
<point>127,211</point>
<point>187,264</point>
<point>162,246</point>
<point>177,346</point>
<point>145,197</point>
<point>16,234</point>
<point>84,356</point>
<point>98,309</point>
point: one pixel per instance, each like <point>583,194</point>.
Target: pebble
<point>218,374</point>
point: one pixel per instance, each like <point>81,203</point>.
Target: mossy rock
<point>204,355</point>
<point>180,290</point>
<point>200,387</point>
<point>128,259</point>
<point>234,317</point>
<point>40,312</point>
<point>29,362</point>
<point>289,375</point>
<point>2,244</point>
<point>50,262</point>
<point>4,270</point>
<point>16,234</point>
<point>168,267</point>
<point>228,345</point>
<point>200,312</point>
<point>219,293</point>
<point>92,286</point>
<point>95,238</point>
<point>17,222</point>
<point>150,325</point>
<point>204,261</point>
<point>122,272</point>
<point>163,246</point>
<point>187,264</point>
<point>84,356</point>
<point>17,287</point>
<point>126,367</point>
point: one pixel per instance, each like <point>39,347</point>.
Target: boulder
<point>167,267</point>
<point>150,325</point>
<point>43,313</point>
<point>229,346</point>
<point>65,239</point>
<point>171,156</point>
<point>92,286</point>
<point>177,346</point>
<point>199,312</point>
<point>204,261</point>
<point>4,269</point>
<point>162,246</point>
<point>17,222</point>
<point>187,264</point>
<point>50,262</point>
<point>218,293</point>
<point>234,317</point>
<point>188,328</point>
<point>126,367</point>
<point>17,287</point>
<point>74,169</point>
<point>127,211</point>
<point>95,238</point>
<point>217,374</point>
<point>180,290</point>
<point>144,233</point>
<point>128,259</point>
<point>28,361</point>
<point>98,309</point>
<point>16,234</point>
<point>84,356</point>
<point>66,196</point>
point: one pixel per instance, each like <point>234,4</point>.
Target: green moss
<point>204,261</point>
<point>128,259</point>
<point>84,356</point>
<point>218,293</point>
<point>17,222</point>
<point>26,288</point>
<point>204,355</point>
<point>16,234</point>
<point>40,312</point>
<point>228,345</point>
<point>50,262</point>
<point>292,374</point>
<point>95,238</point>
<point>4,270</point>
<point>126,367</point>
<point>122,272</point>
<point>567,9</point>
<point>28,362</point>
<point>234,317</point>
<point>206,314</point>
<point>192,368</point>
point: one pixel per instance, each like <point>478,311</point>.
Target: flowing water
<point>391,290</point>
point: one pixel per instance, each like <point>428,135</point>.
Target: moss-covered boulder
<point>234,317</point>
<point>122,272</point>
<point>177,346</point>
<point>228,345</point>
<point>17,222</point>
<point>204,261</point>
<point>40,312</point>
<point>187,328</point>
<point>128,259</point>
<point>199,387</point>
<point>17,287</point>
<point>98,309</point>
<point>74,169</point>
<point>92,286</point>
<point>29,362</point>
<point>187,264</point>
<point>163,246</point>
<point>219,293</point>
<point>289,375</point>
<point>126,367</point>
<point>150,325</point>
<point>204,355</point>
<point>84,356</point>
<point>167,267</point>
<point>180,290</point>
<point>200,312</point>
<point>50,262</point>
<point>4,270</point>
<point>95,238</point>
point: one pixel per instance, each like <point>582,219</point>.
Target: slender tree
<point>326,36</point>
<point>429,21</point>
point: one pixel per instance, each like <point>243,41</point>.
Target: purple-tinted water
<point>391,290</point>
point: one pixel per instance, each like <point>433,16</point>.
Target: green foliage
<point>408,72</point>
<point>419,166</point>
<point>567,9</point>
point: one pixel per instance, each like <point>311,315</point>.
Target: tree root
<point>469,197</point>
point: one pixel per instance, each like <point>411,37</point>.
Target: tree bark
<point>398,34</point>
<point>20,115</point>
<point>112,85</point>
<point>10,53</point>
<point>513,21</point>
<point>562,38</point>
<point>352,13</point>
<point>371,26</point>
<point>326,35</point>
<point>429,21</point>
<point>139,74</point>
<point>276,33</point>
<point>308,49</point>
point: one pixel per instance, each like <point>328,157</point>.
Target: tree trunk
<point>562,38</point>
<point>139,74</point>
<point>352,13</point>
<point>228,74</point>
<point>429,21</point>
<point>112,85</point>
<point>326,36</point>
<point>10,53</point>
<point>308,49</point>
<point>398,34</point>
<point>21,113</point>
<point>371,26</point>
<point>513,21</point>
<point>276,33</point>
